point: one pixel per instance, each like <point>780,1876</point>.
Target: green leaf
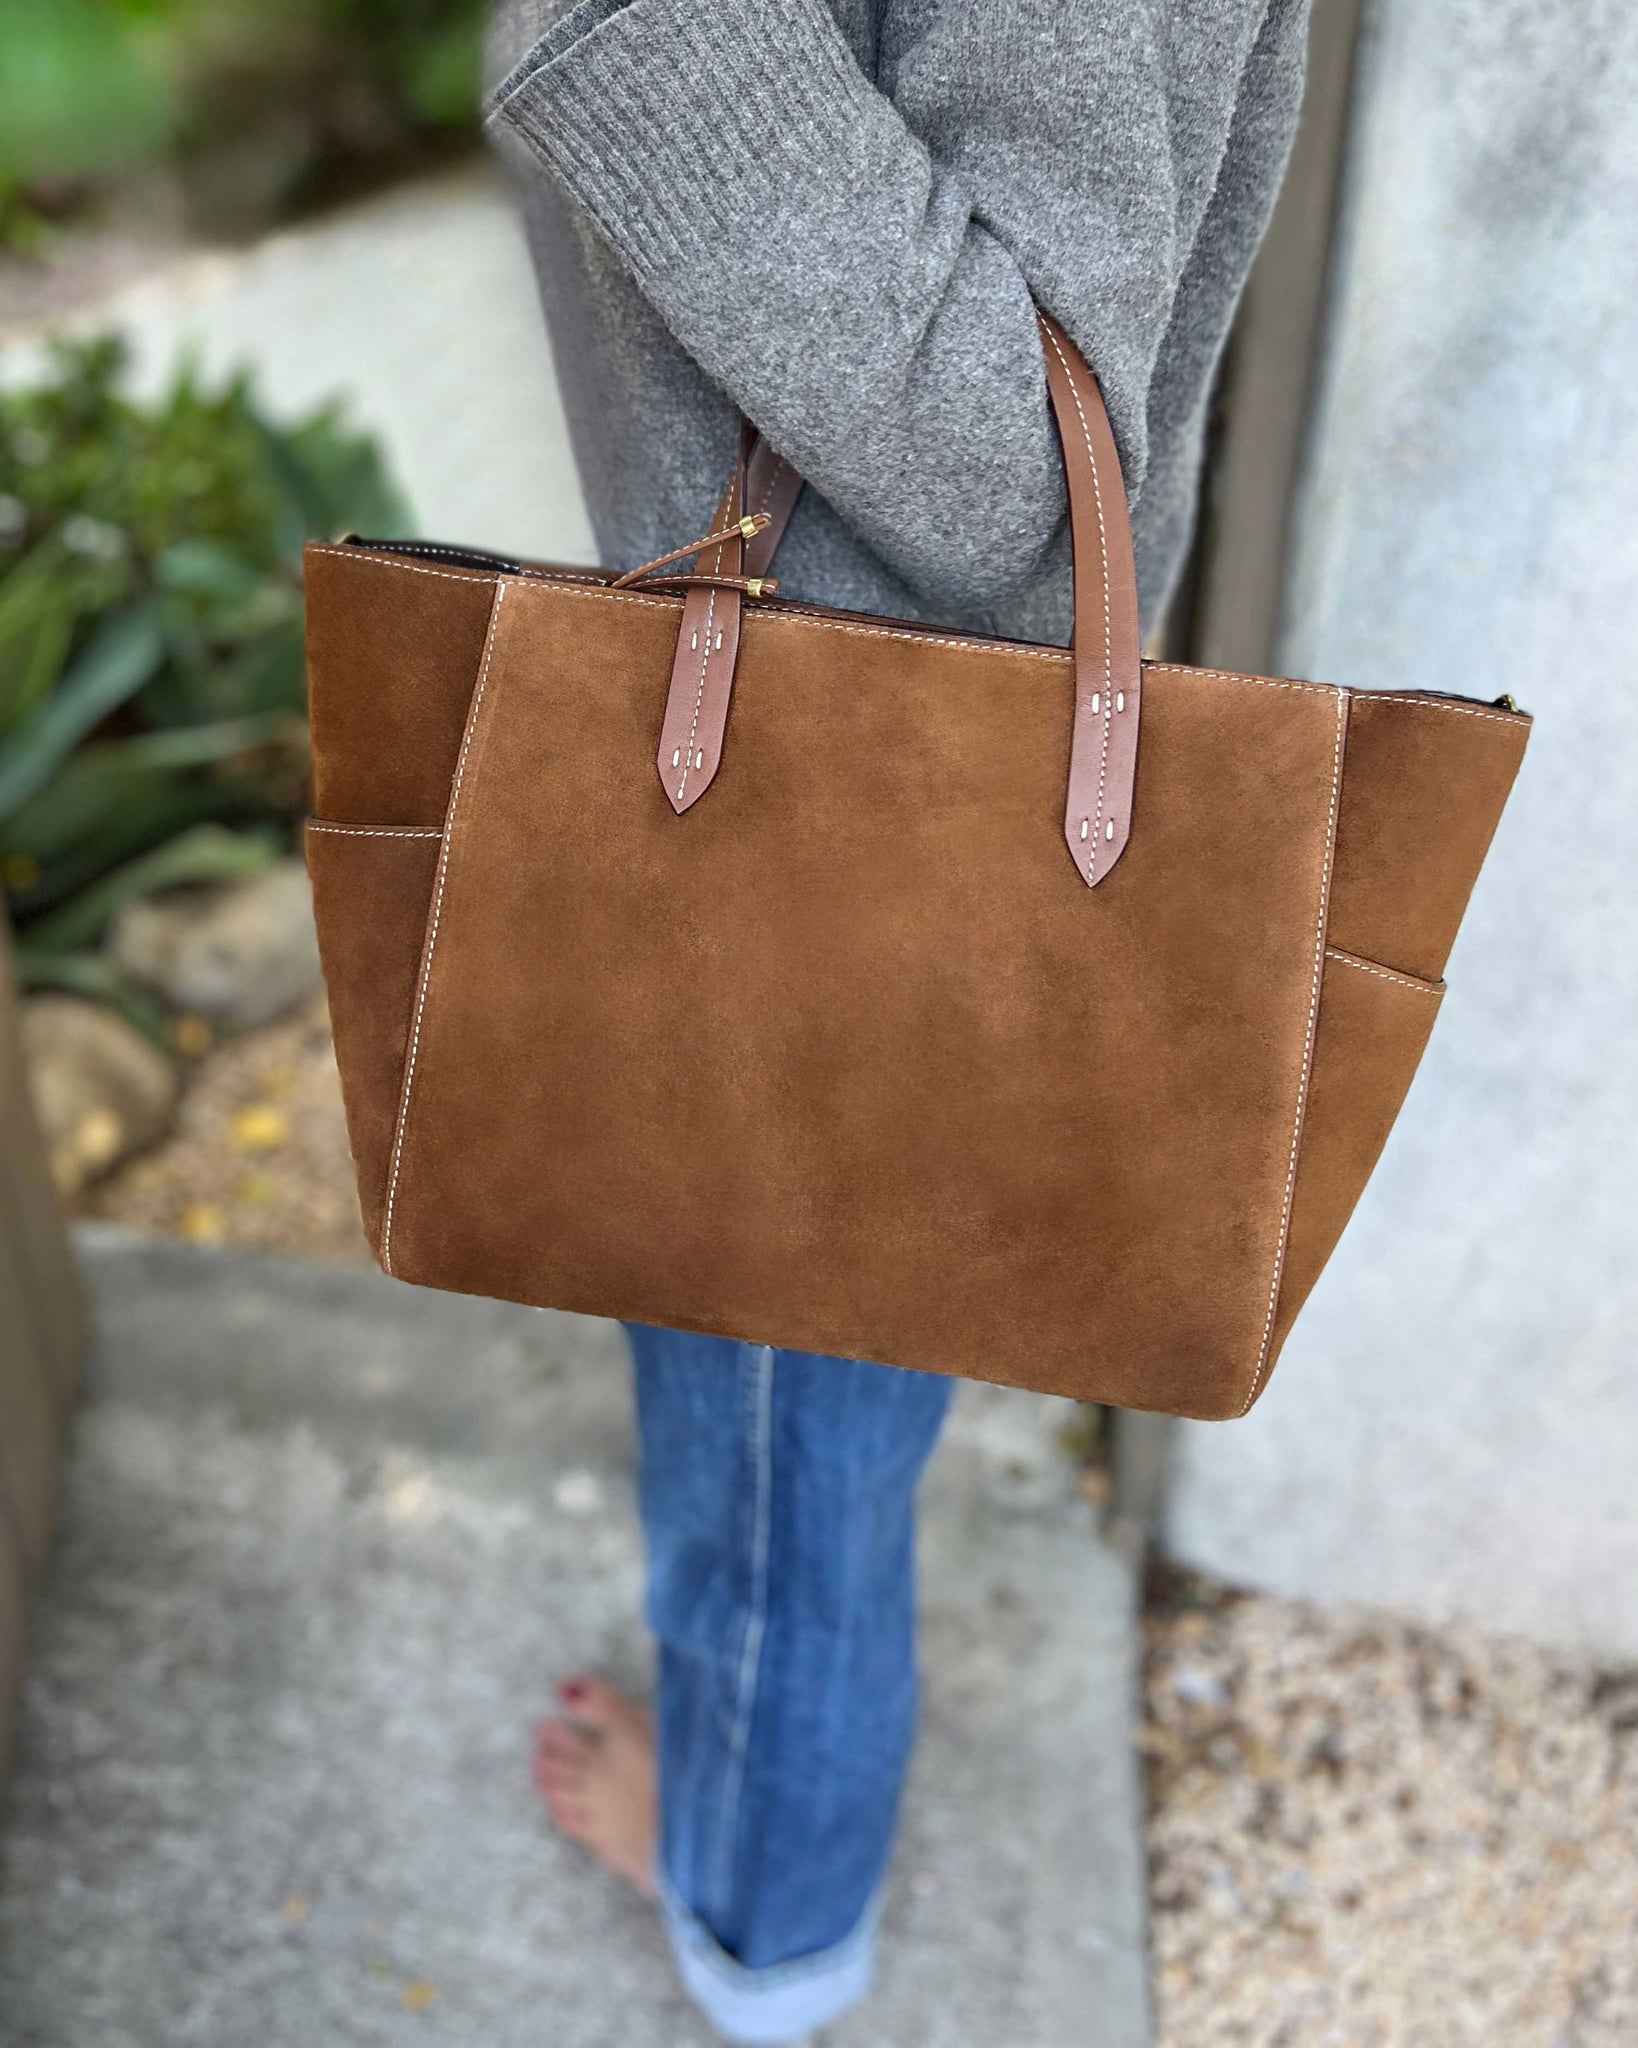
<point>41,600</point>
<point>76,92</point>
<point>443,76</point>
<point>115,799</point>
<point>190,745</point>
<point>195,505</point>
<point>97,979</point>
<point>32,657</point>
<point>206,568</point>
<point>268,676</point>
<point>206,853</point>
<point>336,481</point>
<point>122,654</point>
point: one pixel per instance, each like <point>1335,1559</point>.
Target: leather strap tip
<point>684,784</point>
<point>1095,858</point>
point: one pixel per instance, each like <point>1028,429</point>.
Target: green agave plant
<point>152,691</point>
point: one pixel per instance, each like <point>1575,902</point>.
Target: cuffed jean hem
<point>777,2004</point>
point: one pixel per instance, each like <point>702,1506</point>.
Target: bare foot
<point>594,1767</point>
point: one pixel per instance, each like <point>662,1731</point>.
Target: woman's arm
<point>857,268</point>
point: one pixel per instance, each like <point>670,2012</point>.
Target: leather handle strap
<point>1108,638</point>
<point>1107,642</point>
<point>771,487</point>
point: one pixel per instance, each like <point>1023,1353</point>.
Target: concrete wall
<point>1454,1428</point>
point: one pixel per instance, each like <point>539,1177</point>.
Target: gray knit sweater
<point>834,215</point>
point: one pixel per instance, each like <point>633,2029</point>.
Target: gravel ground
<point>1365,1835</point>
<point>1362,1834</point>
<point>259,1157</point>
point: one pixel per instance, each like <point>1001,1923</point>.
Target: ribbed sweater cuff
<point>676,123</point>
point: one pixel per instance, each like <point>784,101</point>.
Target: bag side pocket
<point>372,885</point>
<point>1374,1024</point>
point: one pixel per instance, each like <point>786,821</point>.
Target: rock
<point>101,1089</point>
<point>241,953</point>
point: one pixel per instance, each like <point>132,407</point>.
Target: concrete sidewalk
<point>328,1541</point>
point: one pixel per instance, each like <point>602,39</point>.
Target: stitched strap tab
<point>702,673</point>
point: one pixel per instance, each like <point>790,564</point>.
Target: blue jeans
<point>778,1494</point>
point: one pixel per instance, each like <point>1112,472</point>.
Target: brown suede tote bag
<point>829,1034</point>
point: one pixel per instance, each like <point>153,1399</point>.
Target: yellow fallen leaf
<point>98,1136</point>
<point>192,1036</point>
<point>418,1996</point>
<point>202,1223</point>
<point>261,1128</point>
<point>294,1910</point>
<point>256,1191</point>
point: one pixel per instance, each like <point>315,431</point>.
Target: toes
<point>561,1739</point>
<point>588,1700</point>
<point>568,1816</point>
<point>560,1773</point>
<point>557,1774</point>
<point>595,1707</point>
<point>560,1761</point>
<point>562,1785</point>
<point>559,1770</point>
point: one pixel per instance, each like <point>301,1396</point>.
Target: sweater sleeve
<point>857,268</point>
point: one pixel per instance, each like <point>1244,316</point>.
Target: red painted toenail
<point>574,1690</point>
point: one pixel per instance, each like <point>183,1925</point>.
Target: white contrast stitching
<point>1015,649</point>
<point>1427,988</point>
<point>432,935</point>
<point>384,560</point>
<point>568,583</point>
<point>379,831</point>
<point>1411,702</point>
<point>699,697</point>
<point>1227,675</point>
<point>773,478</point>
<point>1108,648</point>
<point>571,586</point>
<point>715,569</point>
<point>1307,1056</point>
<point>409,568</point>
